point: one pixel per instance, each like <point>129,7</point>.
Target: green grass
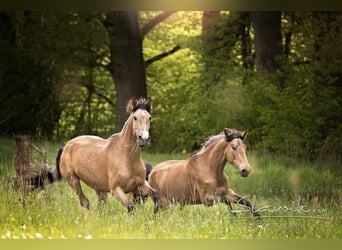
<point>55,212</point>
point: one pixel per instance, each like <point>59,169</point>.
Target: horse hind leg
<point>102,196</point>
<point>229,204</point>
<point>74,182</point>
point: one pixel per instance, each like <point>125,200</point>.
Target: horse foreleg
<point>233,197</point>
<point>145,190</point>
<point>208,199</point>
<point>119,194</point>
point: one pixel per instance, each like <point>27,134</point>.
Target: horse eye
<point>150,118</point>
<point>234,147</point>
<point>135,118</point>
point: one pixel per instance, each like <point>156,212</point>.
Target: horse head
<point>140,110</point>
<point>236,150</point>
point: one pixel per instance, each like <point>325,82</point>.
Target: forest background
<point>277,74</point>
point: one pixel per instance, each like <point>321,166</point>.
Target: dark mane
<point>234,135</point>
<point>141,103</point>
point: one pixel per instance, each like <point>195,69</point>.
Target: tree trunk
<point>210,42</point>
<point>267,40</point>
<point>246,45</point>
<point>127,65</point>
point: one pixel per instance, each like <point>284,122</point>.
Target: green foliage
<point>187,106</point>
<point>57,64</point>
<point>294,113</point>
<point>51,57</point>
<point>87,106</point>
<point>291,120</point>
<point>297,112</point>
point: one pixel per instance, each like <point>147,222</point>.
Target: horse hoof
<point>130,208</point>
<point>86,204</point>
<point>156,209</point>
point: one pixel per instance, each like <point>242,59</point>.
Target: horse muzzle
<point>244,172</point>
<point>143,139</point>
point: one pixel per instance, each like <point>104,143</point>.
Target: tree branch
<point>155,21</point>
<point>108,100</point>
<point>161,56</point>
<point>41,152</point>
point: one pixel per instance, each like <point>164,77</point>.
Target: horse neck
<point>127,129</point>
<point>128,139</point>
<point>214,156</point>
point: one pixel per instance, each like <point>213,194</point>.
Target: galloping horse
<point>200,179</point>
<point>114,164</point>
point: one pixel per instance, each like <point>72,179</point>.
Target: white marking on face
<point>145,134</point>
<point>142,125</point>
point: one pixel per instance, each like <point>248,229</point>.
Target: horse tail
<point>54,174</point>
<point>46,175</point>
<point>149,168</point>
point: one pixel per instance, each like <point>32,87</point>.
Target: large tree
<point>126,58</point>
<point>127,65</point>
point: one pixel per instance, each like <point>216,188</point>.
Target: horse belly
<point>87,162</point>
<point>96,181</point>
<point>171,183</point>
<point>183,195</point>
<point>128,183</point>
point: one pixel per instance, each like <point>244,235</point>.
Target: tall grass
<point>55,212</point>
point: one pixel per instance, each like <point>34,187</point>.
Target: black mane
<point>142,103</point>
<point>233,136</point>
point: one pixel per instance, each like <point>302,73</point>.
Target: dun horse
<point>200,179</point>
<point>111,165</point>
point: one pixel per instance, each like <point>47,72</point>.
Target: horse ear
<point>228,132</point>
<point>149,103</point>
<point>131,104</point>
<point>244,134</point>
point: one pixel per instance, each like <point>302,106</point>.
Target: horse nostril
<point>244,173</point>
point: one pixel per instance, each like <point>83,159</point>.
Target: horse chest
<point>127,179</point>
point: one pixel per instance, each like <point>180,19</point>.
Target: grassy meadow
<point>297,200</point>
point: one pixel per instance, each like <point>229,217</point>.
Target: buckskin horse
<point>200,179</point>
<point>110,165</point>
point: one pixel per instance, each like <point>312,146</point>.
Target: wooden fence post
<point>22,159</point>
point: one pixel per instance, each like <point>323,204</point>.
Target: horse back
<point>165,172</point>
